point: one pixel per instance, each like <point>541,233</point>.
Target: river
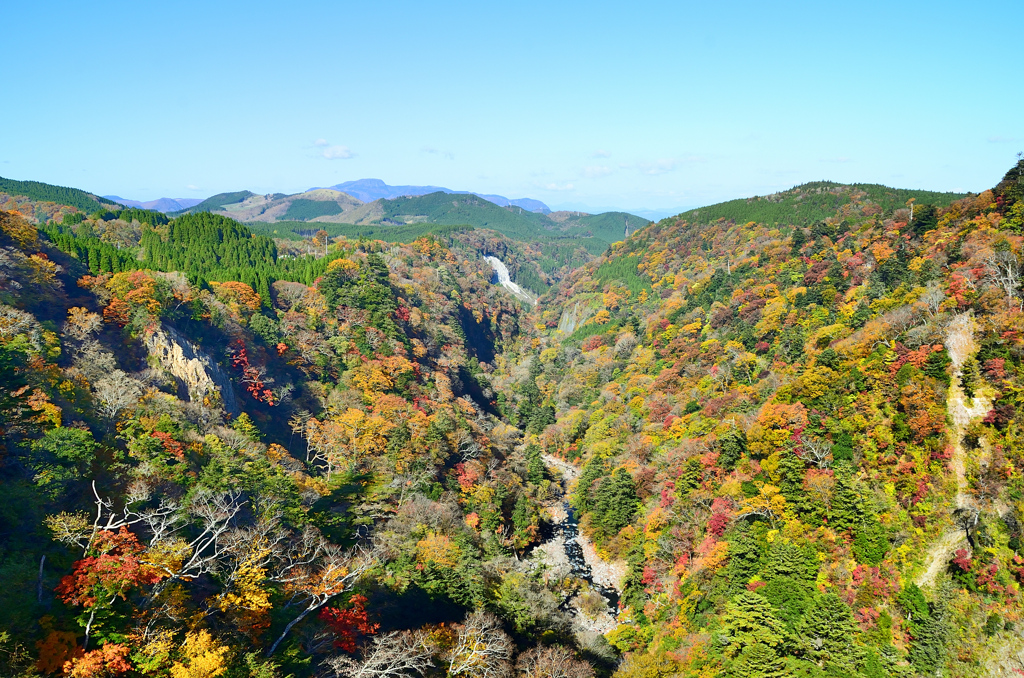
<point>567,551</point>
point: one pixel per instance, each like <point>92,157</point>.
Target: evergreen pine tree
<point>929,627</point>
<point>846,505</point>
<point>799,240</point>
<point>871,542</point>
<point>633,593</point>
<point>583,498</point>
<point>749,620</point>
<point>733,444</point>
<point>791,482</point>
<point>243,423</point>
<point>786,559</point>
<point>534,464</point>
<point>758,661</point>
<point>745,553</point>
<point>827,632</point>
<point>615,501</point>
<point>789,597</point>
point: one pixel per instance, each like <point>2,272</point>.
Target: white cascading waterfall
<point>506,281</point>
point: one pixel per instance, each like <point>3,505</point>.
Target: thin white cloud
<point>338,153</point>
<point>437,151</point>
<point>333,151</point>
<point>1001,140</point>
<point>664,165</point>
<point>661,166</point>
<point>601,153</point>
<point>595,171</point>
<point>840,159</point>
<point>192,187</point>
<point>560,187</point>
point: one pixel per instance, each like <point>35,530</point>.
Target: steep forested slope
<point>800,435</point>
<point>796,440</point>
<point>805,204</point>
<point>206,481</point>
<point>47,193</point>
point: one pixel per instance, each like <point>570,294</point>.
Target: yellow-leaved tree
<point>247,602</point>
<point>201,657</point>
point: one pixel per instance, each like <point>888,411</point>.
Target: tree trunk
<point>88,629</point>
<point>288,628</point>
<point>39,585</point>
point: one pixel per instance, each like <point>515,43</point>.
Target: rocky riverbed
<point>568,553</point>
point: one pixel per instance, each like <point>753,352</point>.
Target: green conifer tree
<point>758,661</point>
<point>534,464</point>
<point>827,632</point>
<point>748,620</point>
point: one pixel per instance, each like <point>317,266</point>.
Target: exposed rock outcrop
<point>199,378</point>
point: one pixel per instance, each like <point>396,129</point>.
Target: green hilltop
<point>290,216</point>
<point>217,202</point>
<point>62,195</point>
<point>514,222</point>
<point>805,204</point>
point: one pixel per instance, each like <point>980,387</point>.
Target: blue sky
<point>586,105</point>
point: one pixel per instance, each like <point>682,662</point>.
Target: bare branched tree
<point>481,648</point>
<point>552,662</point>
<point>1004,270</point>
<point>625,345</point>
<point>399,653</point>
<point>314,570</point>
<point>116,393</point>
<point>817,451</point>
<point>933,297</point>
<point>81,324</point>
<point>469,448</point>
<point>93,361</point>
<point>13,321</point>
<point>967,520</point>
<point>108,519</point>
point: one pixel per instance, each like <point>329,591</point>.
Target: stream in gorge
<point>570,533</point>
<point>565,551</point>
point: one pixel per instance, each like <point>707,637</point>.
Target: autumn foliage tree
<point>110,571</point>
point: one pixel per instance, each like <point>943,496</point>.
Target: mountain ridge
<point>164,205</point>
<point>369,190</point>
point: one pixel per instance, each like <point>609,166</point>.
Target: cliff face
<point>198,376</point>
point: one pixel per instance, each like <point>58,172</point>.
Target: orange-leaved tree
<point>110,570</point>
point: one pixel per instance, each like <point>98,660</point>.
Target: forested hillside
<point>779,442</point>
<point>404,218</point>
<point>47,193</point>
<point>800,436</point>
<point>805,204</point>
<point>205,480</point>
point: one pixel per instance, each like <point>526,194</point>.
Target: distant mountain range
<point>364,190</point>
<point>329,206</point>
<point>160,204</point>
<point>369,190</point>
<point>371,208</point>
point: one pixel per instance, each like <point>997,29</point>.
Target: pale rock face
<point>191,368</point>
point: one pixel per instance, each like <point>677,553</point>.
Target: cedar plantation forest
<point>779,436</point>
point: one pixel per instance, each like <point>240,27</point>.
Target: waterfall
<point>506,281</point>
